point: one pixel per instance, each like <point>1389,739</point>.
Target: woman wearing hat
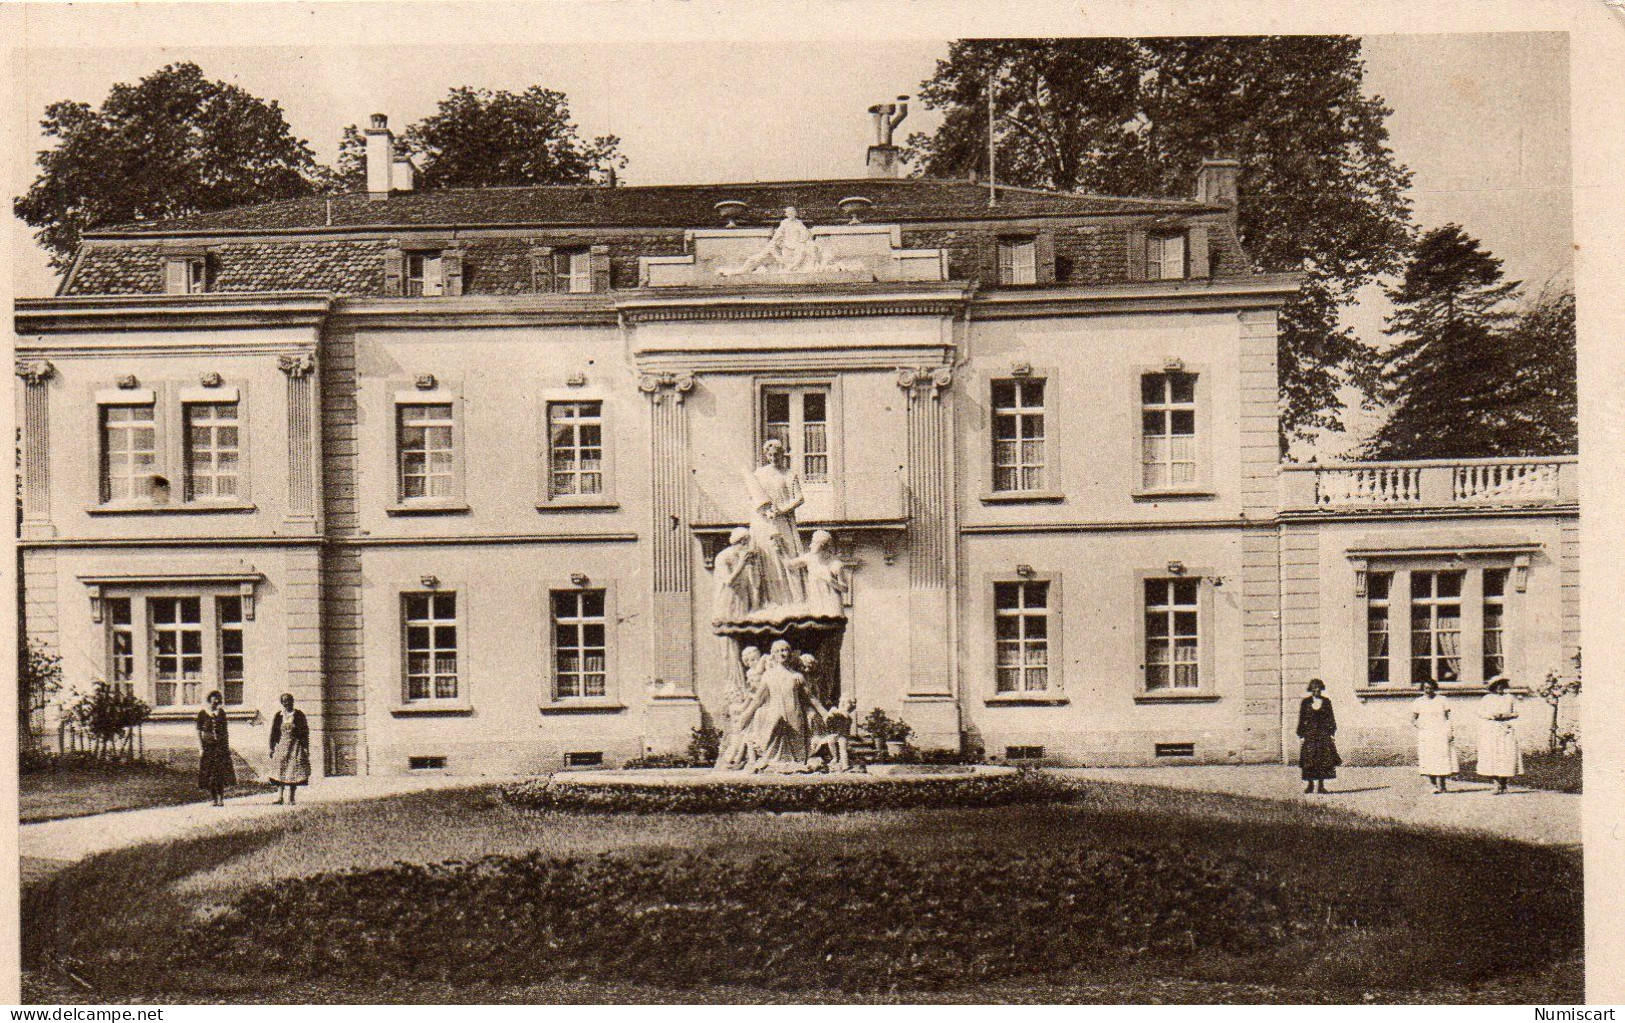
<point>1435,746</point>
<point>1317,724</point>
<point>1498,754</point>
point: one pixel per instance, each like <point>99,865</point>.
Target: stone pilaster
<point>303,466</point>
<point>931,568</point>
<point>36,446</point>
<point>673,708</point>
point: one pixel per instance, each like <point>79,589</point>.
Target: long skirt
<point>1498,752</point>
<point>290,762</point>
<point>214,770</point>
<point>1319,760</point>
<point>1435,753</point>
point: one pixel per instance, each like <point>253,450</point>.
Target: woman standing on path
<point>290,750</point>
<point>1318,760</point>
<point>1435,746</point>
<point>1498,754</point>
<point>214,771</point>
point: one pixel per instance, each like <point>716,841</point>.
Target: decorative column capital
<point>35,371</point>
<point>297,366</point>
<point>920,380</point>
<point>656,385</point>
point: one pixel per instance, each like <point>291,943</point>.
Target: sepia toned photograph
<point>991,519</point>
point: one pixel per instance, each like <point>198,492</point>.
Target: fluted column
<point>300,370</point>
<point>672,557</point>
<point>930,531</point>
<point>36,445</point>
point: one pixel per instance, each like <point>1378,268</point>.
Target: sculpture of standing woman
<point>822,575</point>
<point>775,496</point>
<point>738,579</point>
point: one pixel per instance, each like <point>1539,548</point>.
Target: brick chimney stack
<point>886,159</point>
<point>386,172</point>
<point>1216,182</point>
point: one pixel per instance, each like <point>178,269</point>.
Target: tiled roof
<point>685,206</point>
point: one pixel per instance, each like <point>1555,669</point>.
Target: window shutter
<point>989,256</point>
<point>1007,263</point>
<point>1136,253</point>
<point>600,267</point>
<point>541,269</point>
<point>175,277</point>
<point>1196,241</point>
<point>451,265</point>
<point>1044,250</point>
<point>394,271</point>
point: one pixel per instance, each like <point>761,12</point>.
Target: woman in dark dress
<point>1316,725</point>
<point>214,772</point>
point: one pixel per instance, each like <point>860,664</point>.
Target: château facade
<point>452,467</point>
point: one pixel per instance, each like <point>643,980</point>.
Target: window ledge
<point>1175,494</point>
<point>185,508</point>
<point>1022,496</point>
<point>427,508</point>
<point>567,505</point>
<point>583,707</point>
<point>1414,692</point>
<point>1027,700</point>
<point>429,708</point>
<point>1196,697</point>
<point>189,714</point>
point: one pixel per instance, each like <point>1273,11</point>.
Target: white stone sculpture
<point>822,578</point>
<point>775,496</point>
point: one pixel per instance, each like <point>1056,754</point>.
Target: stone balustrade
<point>1472,482</point>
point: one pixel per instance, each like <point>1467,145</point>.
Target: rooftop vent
<point>885,159</point>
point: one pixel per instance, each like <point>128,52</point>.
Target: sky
<point>1482,120</point>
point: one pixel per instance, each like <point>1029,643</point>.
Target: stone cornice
<point>1220,294</point>
<point>65,314</point>
<point>933,299</point>
<point>590,310</point>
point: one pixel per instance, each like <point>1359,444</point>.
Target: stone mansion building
<point>452,467</point>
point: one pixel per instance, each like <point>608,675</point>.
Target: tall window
<point>1021,634</point>
<point>425,274</point>
<point>129,452</point>
<point>120,643</point>
<point>1495,610</point>
<point>1018,435</point>
<point>1379,666</point>
<point>425,445</point>
<point>1165,257</point>
<point>229,626</point>
<point>1018,261</point>
<point>580,644</point>
<point>1168,429</point>
<point>430,621</point>
<point>572,271</point>
<point>1172,634</point>
<point>798,417</point>
<point>212,451</point>
<point>176,625</point>
<point>1436,626</point>
<point>575,448</point>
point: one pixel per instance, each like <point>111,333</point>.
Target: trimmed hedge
<point>823,796</point>
<point>791,920</point>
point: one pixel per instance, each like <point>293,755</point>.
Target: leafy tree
<point>1321,190</point>
<point>39,676</point>
<point>1537,410</point>
<point>173,143</point>
<point>1443,378</point>
<point>478,138</point>
<point>349,173</point>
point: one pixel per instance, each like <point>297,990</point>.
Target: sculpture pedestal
<point>935,720</point>
<point>669,723</point>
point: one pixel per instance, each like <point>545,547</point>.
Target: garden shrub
<point>790,920</point>
<point>826,797</point>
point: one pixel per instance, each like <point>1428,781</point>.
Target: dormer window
<point>1165,257</point>
<point>186,275</point>
<point>425,274</point>
<point>1018,261</point>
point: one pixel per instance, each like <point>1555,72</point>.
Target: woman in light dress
<point>1435,746</point>
<point>290,751</point>
<point>1498,754</point>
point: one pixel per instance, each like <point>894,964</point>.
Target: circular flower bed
<point>709,793</point>
<point>782,919</point>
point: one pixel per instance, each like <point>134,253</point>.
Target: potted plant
<point>888,733</point>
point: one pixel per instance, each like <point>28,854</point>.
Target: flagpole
<point>992,170</point>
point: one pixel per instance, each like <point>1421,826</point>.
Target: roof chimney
<point>886,159</point>
<point>1216,182</point>
<point>380,158</point>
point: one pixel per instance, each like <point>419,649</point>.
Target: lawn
<point>1321,905</point>
<point>82,789</point>
<point>1551,771</point>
